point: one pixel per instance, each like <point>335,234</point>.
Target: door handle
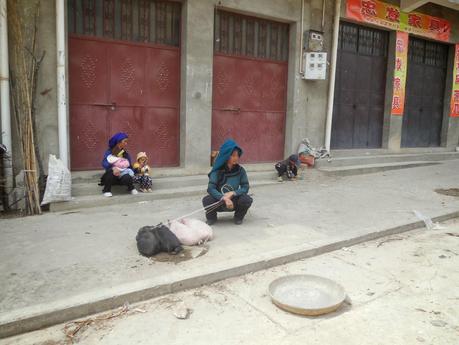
<point>236,110</point>
<point>111,105</point>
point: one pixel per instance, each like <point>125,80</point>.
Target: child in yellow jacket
<point>142,170</point>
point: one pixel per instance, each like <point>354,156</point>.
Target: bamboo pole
<point>24,69</point>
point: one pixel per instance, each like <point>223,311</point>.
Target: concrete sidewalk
<point>61,266</point>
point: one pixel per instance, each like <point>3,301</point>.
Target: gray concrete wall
<point>306,100</point>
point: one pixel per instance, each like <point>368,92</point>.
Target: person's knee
<point>126,179</point>
<point>245,200</point>
<point>208,200</point>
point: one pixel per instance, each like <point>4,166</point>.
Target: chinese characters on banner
<point>390,16</point>
<point>401,60</point>
<point>455,96</point>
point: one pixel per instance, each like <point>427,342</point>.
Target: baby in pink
<point>120,166</point>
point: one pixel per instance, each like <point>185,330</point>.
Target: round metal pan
<point>307,294</point>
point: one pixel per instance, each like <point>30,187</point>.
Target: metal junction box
<point>315,65</point>
<point>313,41</point>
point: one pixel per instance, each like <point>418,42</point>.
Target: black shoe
<point>237,221</point>
<point>211,221</point>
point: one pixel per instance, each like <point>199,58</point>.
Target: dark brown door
<point>249,85</point>
<point>124,67</point>
<point>358,111</point>
<point>425,88</point>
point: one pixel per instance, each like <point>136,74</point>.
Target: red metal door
<point>249,85</point>
<point>128,80</point>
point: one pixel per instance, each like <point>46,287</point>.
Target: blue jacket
<point>236,178</point>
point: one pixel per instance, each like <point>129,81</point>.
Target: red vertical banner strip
<point>401,63</point>
<point>455,94</point>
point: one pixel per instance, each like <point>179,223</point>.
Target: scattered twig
<point>389,240</point>
<point>71,329</point>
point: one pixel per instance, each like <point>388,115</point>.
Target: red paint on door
<point>249,102</point>
<point>118,86</point>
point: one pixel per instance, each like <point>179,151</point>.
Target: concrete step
<point>97,200</point>
<point>91,187</point>
<point>371,168</point>
<point>353,159</point>
<point>87,193</point>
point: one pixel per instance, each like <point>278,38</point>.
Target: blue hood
<point>225,153</point>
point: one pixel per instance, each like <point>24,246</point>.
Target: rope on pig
<point>208,208</point>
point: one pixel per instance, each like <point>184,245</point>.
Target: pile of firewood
<point>24,66</point>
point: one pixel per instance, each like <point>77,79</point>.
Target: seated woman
<point>228,182</point>
<point>113,163</point>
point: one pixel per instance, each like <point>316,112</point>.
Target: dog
<point>152,240</point>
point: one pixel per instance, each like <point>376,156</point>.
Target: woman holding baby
<point>118,165</point>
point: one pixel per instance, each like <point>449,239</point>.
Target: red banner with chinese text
<point>401,62</point>
<point>455,95</point>
<point>390,16</point>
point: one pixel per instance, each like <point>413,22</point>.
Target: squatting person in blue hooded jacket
<point>228,182</point>
<point>116,149</point>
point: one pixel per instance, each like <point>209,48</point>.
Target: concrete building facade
<point>303,103</point>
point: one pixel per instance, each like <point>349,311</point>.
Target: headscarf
<point>114,140</point>
<point>226,150</point>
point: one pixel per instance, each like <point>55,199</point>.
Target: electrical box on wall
<point>313,41</point>
<point>315,65</point>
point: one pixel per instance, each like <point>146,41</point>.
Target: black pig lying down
<point>152,240</point>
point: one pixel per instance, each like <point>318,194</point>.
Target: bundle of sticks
<point>24,68</point>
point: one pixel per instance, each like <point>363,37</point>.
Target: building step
<point>91,187</point>
<point>347,158</point>
<point>86,193</point>
<point>371,168</point>
<point>121,196</point>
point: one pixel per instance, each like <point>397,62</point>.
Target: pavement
<point>400,290</point>
<point>61,266</point>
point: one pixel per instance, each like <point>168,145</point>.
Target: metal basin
<point>306,294</point>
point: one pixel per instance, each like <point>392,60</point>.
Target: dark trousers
<point>282,169</point>
<point>241,205</point>
<point>108,180</point>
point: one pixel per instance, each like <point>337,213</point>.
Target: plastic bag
<point>59,182</point>
<point>428,221</point>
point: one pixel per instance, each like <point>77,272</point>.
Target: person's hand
<point>116,171</point>
<point>228,195</point>
<point>229,204</point>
